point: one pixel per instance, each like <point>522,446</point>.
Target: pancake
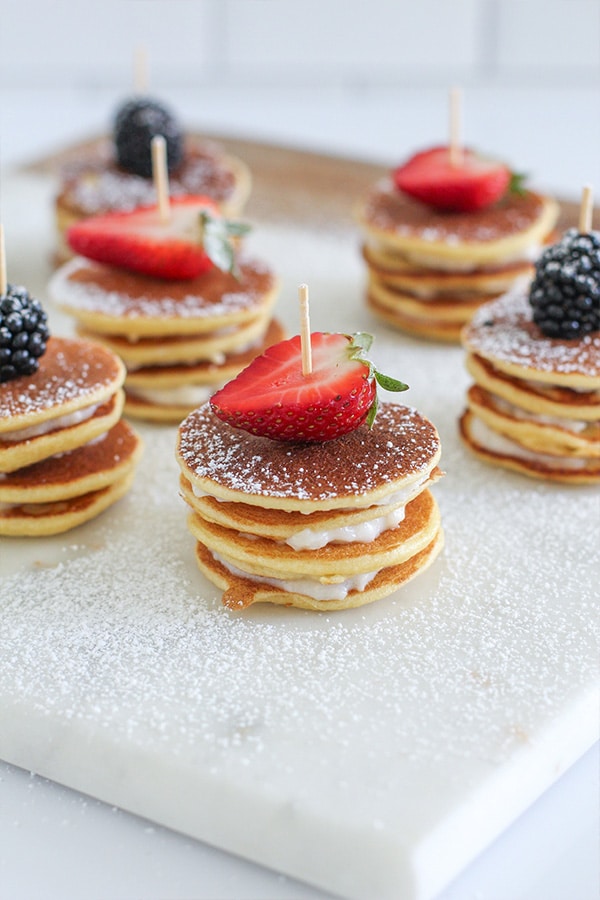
<point>510,230</point>
<point>91,183</point>
<point>156,351</point>
<point>417,326</point>
<point>535,404</point>
<point>330,564</point>
<point>239,592</point>
<point>306,530</point>
<point>314,525</point>
<point>89,467</point>
<point>356,470</point>
<point>446,308</point>
<point>505,334</point>
<point>43,519</point>
<point>116,302</point>
<point>492,447</point>
<point>74,397</point>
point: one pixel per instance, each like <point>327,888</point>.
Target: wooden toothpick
<point>161,176</point>
<point>140,70</point>
<point>3,280</point>
<point>305,330</point>
<point>586,209</point>
<point>455,126</point>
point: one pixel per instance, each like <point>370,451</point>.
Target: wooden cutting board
<point>371,753</point>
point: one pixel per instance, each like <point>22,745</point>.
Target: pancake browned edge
<point>181,340</point>
<point>429,271</point>
<point>318,526</point>
<point>65,453</point>
<point>91,183</point>
<point>535,404</point>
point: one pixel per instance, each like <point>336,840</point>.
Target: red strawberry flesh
<point>472,183</point>
<point>140,241</point>
<point>272,397</point>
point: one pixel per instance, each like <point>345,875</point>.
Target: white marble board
<point>371,753</point>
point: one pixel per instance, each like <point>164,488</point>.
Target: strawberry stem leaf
<point>217,238</point>
<point>372,412</point>
<point>516,184</point>
<point>388,383</point>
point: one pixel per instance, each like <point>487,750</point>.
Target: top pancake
<point>510,229</point>
<point>72,374</point>
<point>115,301</point>
<point>93,183</point>
<point>504,333</point>
<point>355,470</point>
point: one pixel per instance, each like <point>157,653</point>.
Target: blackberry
<point>565,291</point>
<point>136,123</point>
<point>23,333</point>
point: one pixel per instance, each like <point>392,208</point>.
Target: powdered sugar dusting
<point>504,330</point>
<point>400,445</point>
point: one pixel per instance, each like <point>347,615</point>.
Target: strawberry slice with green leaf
<point>273,398</point>
<point>472,183</point>
<point>194,238</point>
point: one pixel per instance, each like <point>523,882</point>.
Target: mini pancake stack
<point>179,340</point>
<point>335,519</point>
<point>179,337</point>
<point>65,453</point>
<point>104,176</point>
<point>429,269</point>
<point>535,403</point>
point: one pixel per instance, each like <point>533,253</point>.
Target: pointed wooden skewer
<point>161,177</point>
<point>455,127</point>
<point>586,209</point>
<point>3,279</point>
<point>305,330</point>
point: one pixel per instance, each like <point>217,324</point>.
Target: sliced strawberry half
<point>272,397</point>
<point>193,239</point>
<point>472,183</point>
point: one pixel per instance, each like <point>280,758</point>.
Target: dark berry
<point>136,123</point>
<point>23,333</point>
<point>565,291</point>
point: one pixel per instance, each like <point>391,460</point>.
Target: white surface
<point>320,745</point>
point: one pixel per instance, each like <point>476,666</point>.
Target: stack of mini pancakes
<point>180,340</point>
<point>314,525</point>
<point>92,183</point>
<point>428,271</point>
<point>535,404</point>
<point>65,453</point>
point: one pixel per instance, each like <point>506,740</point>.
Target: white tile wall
<point>300,42</point>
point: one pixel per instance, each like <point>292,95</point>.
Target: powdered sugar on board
<point>376,740</point>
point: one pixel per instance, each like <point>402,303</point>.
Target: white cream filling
<point>310,587</point>
<point>574,425</point>
<point>74,418</point>
<point>182,395</point>
<point>363,532</point>
<point>498,443</point>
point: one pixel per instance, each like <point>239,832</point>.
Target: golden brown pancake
<point>114,301</point>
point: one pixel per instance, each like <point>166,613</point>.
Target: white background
<point>365,79</point>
